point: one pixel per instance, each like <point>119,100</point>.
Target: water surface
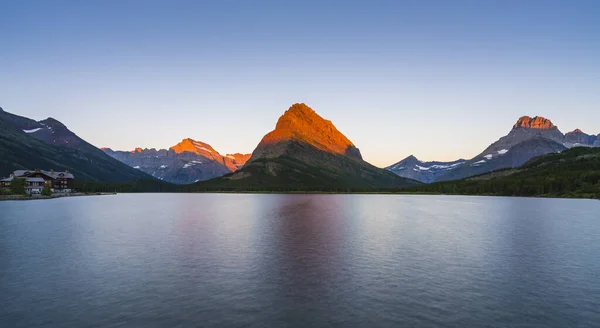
<point>227,260</point>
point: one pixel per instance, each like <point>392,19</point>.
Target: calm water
<point>177,260</point>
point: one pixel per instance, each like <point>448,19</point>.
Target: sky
<point>437,79</point>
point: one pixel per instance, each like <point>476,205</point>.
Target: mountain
<point>516,156</point>
<point>577,138</point>
<point>426,172</point>
<point>305,152</point>
<point>49,144</point>
<point>527,128</point>
<point>528,138</point>
<point>186,162</point>
<point>574,172</point>
<point>238,159</point>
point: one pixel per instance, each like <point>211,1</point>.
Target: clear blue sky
<point>437,79</point>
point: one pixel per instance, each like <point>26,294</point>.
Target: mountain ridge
<point>305,152</point>
<point>574,172</point>
<point>537,122</point>
<point>186,162</point>
<point>423,171</point>
<point>533,136</point>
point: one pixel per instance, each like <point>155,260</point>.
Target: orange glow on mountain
<point>301,123</point>
<point>238,159</point>
<point>537,122</point>
<point>193,146</point>
<point>232,162</point>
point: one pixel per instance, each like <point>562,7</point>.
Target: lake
<point>251,260</point>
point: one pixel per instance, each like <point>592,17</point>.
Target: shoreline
<point>360,193</point>
<point>389,193</point>
<point>54,196</point>
<point>41,197</point>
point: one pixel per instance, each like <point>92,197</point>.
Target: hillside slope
<point>48,144</point>
<point>573,173</point>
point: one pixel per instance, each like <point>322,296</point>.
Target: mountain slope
<point>48,144</point>
<point>305,152</point>
<point>572,173</point>
<point>529,137</point>
<point>187,162</point>
<point>425,172</point>
<point>516,156</point>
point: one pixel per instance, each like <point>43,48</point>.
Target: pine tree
<point>46,191</point>
<point>17,186</point>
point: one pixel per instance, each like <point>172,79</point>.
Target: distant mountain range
<point>574,172</point>
<point>187,162</point>
<point>425,172</point>
<point>529,138</point>
<point>48,144</point>
<point>305,152</point>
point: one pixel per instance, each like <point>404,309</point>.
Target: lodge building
<point>35,180</point>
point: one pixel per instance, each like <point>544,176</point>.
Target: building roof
<point>6,179</point>
<point>65,175</point>
<point>34,179</point>
<point>53,175</point>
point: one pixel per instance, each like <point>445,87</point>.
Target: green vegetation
<point>140,185</point>
<point>288,174</point>
<point>17,186</point>
<point>47,191</point>
<point>572,173</point>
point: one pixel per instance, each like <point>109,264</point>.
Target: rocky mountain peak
<point>575,131</point>
<point>302,123</point>
<point>410,160</point>
<point>53,123</point>
<point>238,159</point>
<point>137,150</point>
<point>295,117</point>
<point>537,122</point>
<point>193,146</point>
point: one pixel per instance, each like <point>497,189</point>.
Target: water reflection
<point>299,260</point>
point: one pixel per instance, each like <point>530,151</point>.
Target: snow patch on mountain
<point>192,163</point>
